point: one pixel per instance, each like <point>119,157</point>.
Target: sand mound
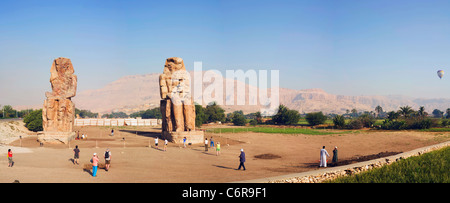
<point>12,130</point>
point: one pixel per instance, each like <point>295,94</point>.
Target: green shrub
<point>316,118</point>
<point>445,122</point>
<point>420,124</point>
<point>367,120</point>
<point>286,116</point>
<point>214,113</point>
<point>409,123</point>
<point>393,125</point>
<point>239,119</point>
<point>200,116</point>
<point>355,124</point>
<point>33,121</point>
<point>339,121</point>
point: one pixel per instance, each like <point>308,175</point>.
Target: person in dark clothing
<point>241,160</point>
<point>76,155</point>
<point>335,156</point>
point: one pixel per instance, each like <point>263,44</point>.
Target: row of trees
<point>85,113</point>
<point>404,118</point>
<point>149,113</point>
<point>214,113</point>
<point>285,116</point>
<point>407,118</point>
<point>380,113</point>
<point>7,111</point>
<point>407,111</point>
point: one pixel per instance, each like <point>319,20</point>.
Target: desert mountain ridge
<point>134,93</point>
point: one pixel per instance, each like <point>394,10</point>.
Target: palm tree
<point>421,112</point>
<point>354,112</point>
<point>406,111</point>
<point>448,113</point>
<point>393,115</point>
<point>378,109</point>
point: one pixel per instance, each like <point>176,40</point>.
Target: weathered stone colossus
<point>58,113</point>
<point>177,107</point>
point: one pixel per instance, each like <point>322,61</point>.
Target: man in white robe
<point>323,158</point>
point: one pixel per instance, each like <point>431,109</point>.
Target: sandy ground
<point>134,161</point>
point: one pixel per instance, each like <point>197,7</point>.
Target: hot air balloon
<point>440,73</point>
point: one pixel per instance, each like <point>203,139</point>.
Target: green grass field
<point>275,130</point>
<point>436,130</point>
<point>432,167</point>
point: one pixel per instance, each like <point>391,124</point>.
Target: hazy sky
<point>357,47</point>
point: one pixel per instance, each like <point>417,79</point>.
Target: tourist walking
<point>165,144</point>
<point>94,165</point>
<point>184,142</point>
<point>323,158</point>
<point>241,160</point>
<point>211,142</point>
<point>218,149</point>
<point>335,156</point>
<point>206,144</point>
<point>112,132</point>
<point>10,160</point>
<point>156,142</point>
<point>107,159</point>
<point>76,155</point>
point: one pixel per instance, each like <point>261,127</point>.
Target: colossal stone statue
<point>177,108</point>
<point>58,113</point>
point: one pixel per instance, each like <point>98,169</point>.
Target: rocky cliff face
<point>311,100</point>
<point>140,92</point>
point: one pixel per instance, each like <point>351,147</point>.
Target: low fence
<point>116,122</point>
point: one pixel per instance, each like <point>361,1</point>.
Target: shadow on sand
<point>143,133</point>
<point>225,167</point>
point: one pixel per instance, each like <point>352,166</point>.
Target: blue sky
<point>358,47</point>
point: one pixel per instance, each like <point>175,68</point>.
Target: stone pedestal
<point>55,137</point>
<point>194,137</point>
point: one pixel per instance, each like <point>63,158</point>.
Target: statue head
<point>173,64</point>
<point>64,82</point>
<point>62,67</point>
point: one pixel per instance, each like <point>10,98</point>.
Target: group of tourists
<point>94,160</point>
<point>82,137</point>
<point>166,142</point>
<point>211,145</point>
<point>107,155</point>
